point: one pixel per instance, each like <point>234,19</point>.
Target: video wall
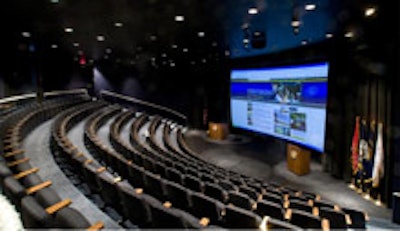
<point>287,102</point>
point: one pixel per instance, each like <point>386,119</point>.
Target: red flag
<point>354,145</point>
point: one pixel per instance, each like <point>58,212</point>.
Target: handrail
<point>143,102</point>
<point>50,93</point>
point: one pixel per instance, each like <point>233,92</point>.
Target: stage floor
<point>267,161</point>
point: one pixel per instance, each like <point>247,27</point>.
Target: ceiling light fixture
<point>54,46</point>
<point>153,38</point>
<point>185,50</point>
<point>370,11</point>
<point>100,38</point>
<point>179,18</point>
<point>69,30</point>
<point>54,1</point>
<point>201,34</point>
<point>310,7</point>
<point>118,24</point>
<point>329,35</point>
<point>252,10</point>
<point>76,44</point>
<point>349,34</point>
<point>174,46</point>
<point>108,50</point>
<point>304,42</point>
<point>26,34</point>
<point>295,23</point>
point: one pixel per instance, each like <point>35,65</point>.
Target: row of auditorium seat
<point>152,183</point>
<point>116,192</point>
<point>173,192</point>
<point>39,204</point>
<point>294,206</point>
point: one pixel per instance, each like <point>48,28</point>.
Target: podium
<point>298,159</point>
<point>217,131</point>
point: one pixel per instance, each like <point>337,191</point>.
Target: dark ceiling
<point>147,29</point>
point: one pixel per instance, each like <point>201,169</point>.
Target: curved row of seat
<point>300,208</point>
<point>39,204</point>
<point>149,178</point>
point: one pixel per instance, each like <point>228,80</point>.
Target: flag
<point>354,146</point>
<point>363,144</point>
<point>378,169</point>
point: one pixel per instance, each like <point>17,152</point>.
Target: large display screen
<point>287,102</point>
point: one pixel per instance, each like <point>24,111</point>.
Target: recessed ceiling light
<point>185,50</point>
<point>370,11</point>
<point>54,1</point>
<point>203,60</point>
<point>246,40</point>
<point>349,34</point>
<point>118,24</point>
<point>179,18</point>
<point>100,38</point>
<point>163,55</point>
<point>76,44</point>
<point>201,34</point>
<point>174,46</point>
<point>69,29</point>
<point>54,46</point>
<point>172,64</point>
<point>153,37</point>
<point>329,35</point>
<point>304,42</point>
<point>252,10</point>
<point>295,23</point>
<point>310,7</point>
<point>26,34</point>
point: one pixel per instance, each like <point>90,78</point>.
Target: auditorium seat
<point>174,175</point>
<point>238,218</point>
<point>136,176</point>
<point>250,192</point>
<point>178,195</point>
<point>357,218</point>
<point>134,207</point>
<point>164,217</point>
<point>303,219</point>
<point>267,196</point>
<point>204,206</point>
<point>270,223</point>
<point>215,191</point>
<point>227,185</point>
<point>337,219</point>
<point>193,183</point>
<point>299,205</point>
<point>155,186</point>
<point>241,200</point>
<point>271,209</point>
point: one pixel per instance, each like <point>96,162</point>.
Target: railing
<point>147,105</point>
<point>27,96</point>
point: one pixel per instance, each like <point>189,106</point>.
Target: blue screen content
<point>286,102</point>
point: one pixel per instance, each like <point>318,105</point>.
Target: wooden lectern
<point>217,131</point>
<point>298,159</point>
